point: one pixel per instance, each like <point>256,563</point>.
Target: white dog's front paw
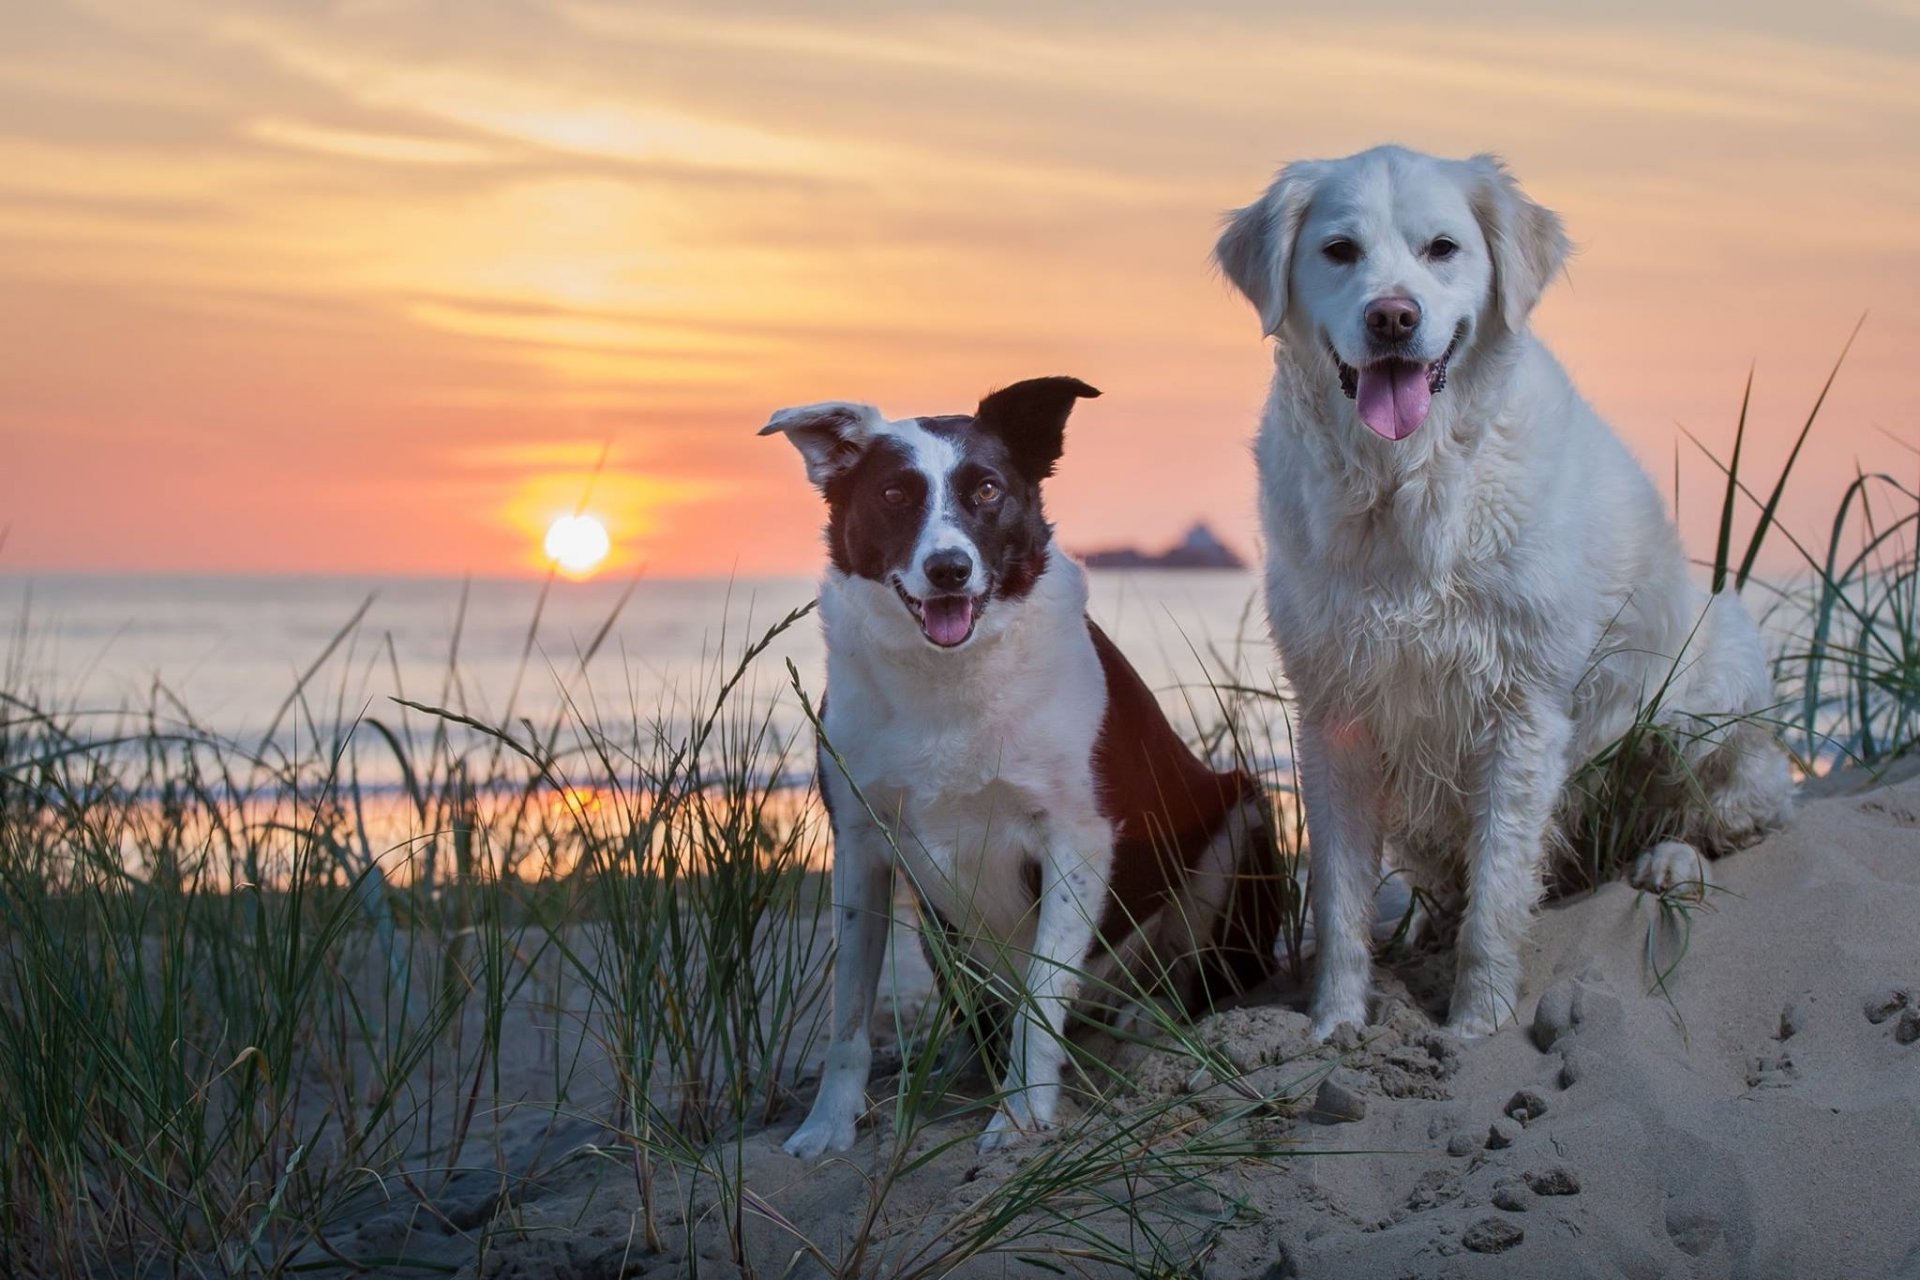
<point>1672,865</point>
<point>1340,996</point>
<point>1016,1120</point>
<point>1472,1024</point>
<point>1486,996</point>
<point>1003,1133</point>
<point>1328,1021</point>
<point>819,1135</point>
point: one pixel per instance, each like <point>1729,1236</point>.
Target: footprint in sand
<point>1771,1071</point>
<point>1898,812</point>
<point>1883,1004</point>
<point>1898,1005</point>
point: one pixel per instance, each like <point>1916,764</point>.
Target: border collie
<point>1473,586</point>
<point>984,735</point>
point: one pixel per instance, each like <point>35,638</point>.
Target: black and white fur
<point>986,729</point>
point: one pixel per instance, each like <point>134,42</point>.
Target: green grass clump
<point>258,1017</point>
<point>1845,631</point>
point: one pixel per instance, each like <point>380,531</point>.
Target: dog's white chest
<point>966,759</point>
<point>976,860</point>
<point>964,785</point>
<point>964,813</point>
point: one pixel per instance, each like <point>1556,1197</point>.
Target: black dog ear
<point>1031,417</point>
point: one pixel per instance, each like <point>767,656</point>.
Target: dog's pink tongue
<point>947,619</point>
<point>1393,397</point>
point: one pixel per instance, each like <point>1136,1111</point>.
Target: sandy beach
<point>1732,1091</point>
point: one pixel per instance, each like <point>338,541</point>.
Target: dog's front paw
<point>1473,1024</point>
<point>1486,996</point>
<point>819,1135</point>
<point>1003,1132</point>
<point>1672,866</point>
<point>1330,1015</point>
<point>1021,1116</point>
<point>1323,1028</point>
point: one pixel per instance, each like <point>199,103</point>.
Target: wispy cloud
<point>354,144</point>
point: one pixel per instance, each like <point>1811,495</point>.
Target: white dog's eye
<point>1342,251</point>
<point>894,496</point>
<point>1441,249</point>
<point>987,493</point>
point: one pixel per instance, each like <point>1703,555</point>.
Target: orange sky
<point>366,286</point>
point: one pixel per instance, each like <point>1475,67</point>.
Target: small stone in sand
<point>1492,1235</point>
<point>1907,1030</point>
<point>1336,1104</point>
<point>1557,1181</point>
<point>1502,1133</point>
<point>1526,1106</point>
<point>1513,1197</point>
<point>1462,1144</point>
<point>1556,1014</point>
<point>1573,1067</point>
<point>1882,1005</point>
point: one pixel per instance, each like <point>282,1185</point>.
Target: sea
<point>277,661</point>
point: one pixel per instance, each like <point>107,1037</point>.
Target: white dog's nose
<point>1392,319</point>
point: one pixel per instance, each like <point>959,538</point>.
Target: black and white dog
<point>981,730</point>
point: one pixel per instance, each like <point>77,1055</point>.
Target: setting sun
<point>577,544</point>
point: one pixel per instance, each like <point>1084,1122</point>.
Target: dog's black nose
<point>1392,319</point>
<point>949,570</point>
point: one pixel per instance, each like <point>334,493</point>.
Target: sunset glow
<point>577,544</point>
<point>431,269</point>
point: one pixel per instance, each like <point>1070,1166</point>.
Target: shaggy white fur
<point>1468,611</point>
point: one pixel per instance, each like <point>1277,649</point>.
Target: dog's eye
<point>894,496</point>
<point>1342,251</point>
<point>1441,249</point>
<point>986,493</point>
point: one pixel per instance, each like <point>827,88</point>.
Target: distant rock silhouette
<point>1200,549</point>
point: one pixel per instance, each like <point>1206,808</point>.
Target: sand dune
<point>1755,1114</point>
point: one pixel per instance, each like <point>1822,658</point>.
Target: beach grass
<point>252,1008</point>
<point>250,1003</point>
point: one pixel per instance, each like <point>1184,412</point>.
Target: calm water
<point>232,649</point>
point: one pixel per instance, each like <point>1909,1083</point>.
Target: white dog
<point>982,732</point>
<point>1472,584</point>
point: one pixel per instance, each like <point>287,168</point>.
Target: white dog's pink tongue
<point>947,619</point>
<point>1393,397</point>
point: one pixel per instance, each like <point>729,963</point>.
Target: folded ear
<point>1526,241</point>
<point>1256,250</point>
<point>830,436</point>
<point>1031,417</point>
